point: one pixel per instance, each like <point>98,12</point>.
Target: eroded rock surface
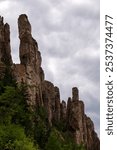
<point>42,93</point>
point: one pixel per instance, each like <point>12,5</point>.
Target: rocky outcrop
<point>5,49</point>
<point>29,71</point>
<point>42,93</point>
<point>63,111</point>
<point>79,124</point>
<point>75,117</point>
<point>48,95</point>
<point>57,104</point>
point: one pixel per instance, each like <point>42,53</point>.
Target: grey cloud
<point>68,37</point>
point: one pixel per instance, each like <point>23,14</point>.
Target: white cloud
<point>68,36</point>
<point>4,5</point>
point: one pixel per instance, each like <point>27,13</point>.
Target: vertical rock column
<point>29,54</point>
<point>48,94</point>
<point>63,111</point>
<point>75,113</point>
<point>69,102</point>
<point>30,58</point>
<point>5,49</point>
<point>81,126</point>
<point>57,105</point>
<point>75,94</point>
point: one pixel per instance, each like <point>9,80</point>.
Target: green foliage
<point>14,110</point>
<point>13,107</point>
<point>41,127</point>
<point>54,141</point>
<point>8,80</point>
<point>58,141</point>
<point>20,128</point>
<point>8,105</point>
<point>41,134</point>
<point>69,143</point>
<point>61,126</point>
<point>42,113</point>
<point>12,137</point>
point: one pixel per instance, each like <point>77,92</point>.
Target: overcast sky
<point>67,32</point>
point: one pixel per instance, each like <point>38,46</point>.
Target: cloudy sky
<point>67,32</point>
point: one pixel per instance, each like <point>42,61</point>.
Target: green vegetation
<point>12,137</point>
<point>21,129</point>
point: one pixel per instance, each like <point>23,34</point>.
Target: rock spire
<point>42,93</point>
<point>5,49</point>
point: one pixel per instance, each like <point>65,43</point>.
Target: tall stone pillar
<point>75,94</point>
<point>5,49</point>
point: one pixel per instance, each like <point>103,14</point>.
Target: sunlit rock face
<point>29,70</point>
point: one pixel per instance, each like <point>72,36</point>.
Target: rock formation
<point>42,93</point>
<point>5,49</point>
<point>29,71</point>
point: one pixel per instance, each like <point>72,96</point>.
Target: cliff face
<point>5,49</point>
<point>29,71</point>
<point>41,92</point>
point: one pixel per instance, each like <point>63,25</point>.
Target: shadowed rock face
<point>5,49</point>
<point>75,94</point>
<point>41,92</point>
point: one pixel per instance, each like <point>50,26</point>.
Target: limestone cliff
<point>41,92</point>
